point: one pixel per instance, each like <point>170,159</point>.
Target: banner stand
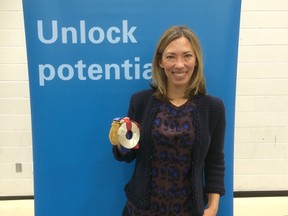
<point>85,59</point>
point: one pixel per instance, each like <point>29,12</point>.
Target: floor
<point>261,206</point>
<point>264,206</point>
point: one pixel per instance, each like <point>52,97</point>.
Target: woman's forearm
<point>213,204</point>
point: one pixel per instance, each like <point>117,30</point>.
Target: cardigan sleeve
<point>120,156</point>
<point>214,163</point>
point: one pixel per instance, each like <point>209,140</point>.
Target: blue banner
<point>85,59</point>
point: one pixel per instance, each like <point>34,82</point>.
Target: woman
<point>179,165</point>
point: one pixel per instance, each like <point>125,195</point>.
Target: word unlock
<point>81,34</point>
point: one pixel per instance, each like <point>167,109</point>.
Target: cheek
<point>193,65</point>
<point>166,66</point>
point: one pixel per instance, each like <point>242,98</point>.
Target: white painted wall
<point>15,127</point>
<point>261,130</point>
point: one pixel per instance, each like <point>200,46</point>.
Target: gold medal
<point>113,134</point>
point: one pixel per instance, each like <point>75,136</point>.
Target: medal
<point>125,132</point>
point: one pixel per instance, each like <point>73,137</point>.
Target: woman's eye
<point>170,57</point>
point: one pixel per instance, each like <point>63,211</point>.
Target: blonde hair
<point>197,81</point>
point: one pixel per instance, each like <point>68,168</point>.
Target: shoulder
<point>142,96</point>
<point>211,106</point>
<point>211,102</point>
<point>143,93</point>
<point>141,102</point>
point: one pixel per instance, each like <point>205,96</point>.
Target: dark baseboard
<point>239,194</point>
<point>16,197</point>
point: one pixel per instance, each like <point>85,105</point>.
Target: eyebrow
<point>186,52</point>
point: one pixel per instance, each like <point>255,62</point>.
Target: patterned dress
<point>173,138</point>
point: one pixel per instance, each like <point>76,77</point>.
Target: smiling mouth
<point>179,75</point>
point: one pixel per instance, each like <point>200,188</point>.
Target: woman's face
<point>178,61</point>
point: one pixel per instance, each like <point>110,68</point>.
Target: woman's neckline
<point>178,102</point>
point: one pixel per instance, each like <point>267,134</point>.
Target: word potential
<point>81,71</point>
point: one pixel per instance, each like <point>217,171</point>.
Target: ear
<point>160,64</point>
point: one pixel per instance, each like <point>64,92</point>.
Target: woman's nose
<point>179,63</point>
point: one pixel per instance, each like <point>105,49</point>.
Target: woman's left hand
<point>213,202</point>
<point>210,212</point>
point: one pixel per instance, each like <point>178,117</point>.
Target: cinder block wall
<point>16,172</point>
<point>261,130</point>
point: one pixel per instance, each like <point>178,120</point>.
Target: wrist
<point>213,202</point>
<point>213,208</point>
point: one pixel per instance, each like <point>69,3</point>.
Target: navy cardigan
<point>208,155</point>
